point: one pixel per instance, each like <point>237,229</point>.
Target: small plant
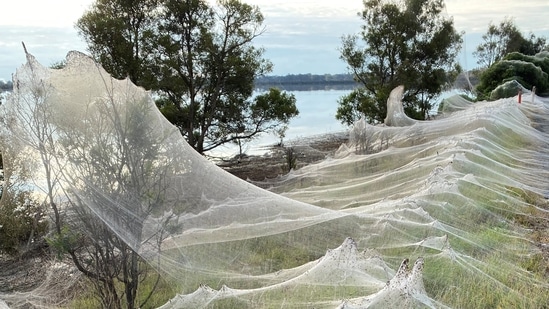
<point>281,133</point>
<point>291,159</point>
<point>64,241</point>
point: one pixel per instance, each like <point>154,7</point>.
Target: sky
<point>301,36</point>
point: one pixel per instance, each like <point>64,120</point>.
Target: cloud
<point>301,36</point>
<point>39,13</point>
<point>474,15</point>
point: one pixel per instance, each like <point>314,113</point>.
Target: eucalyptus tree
<point>410,43</point>
<point>116,32</point>
<point>505,38</point>
<point>198,58</point>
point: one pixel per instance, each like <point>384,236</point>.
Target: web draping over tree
<point>199,59</point>
<point>459,197</point>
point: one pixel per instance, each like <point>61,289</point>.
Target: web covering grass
<point>463,197</point>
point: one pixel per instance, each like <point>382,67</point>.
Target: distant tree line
<point>274,80</point>
<point>306,79</point>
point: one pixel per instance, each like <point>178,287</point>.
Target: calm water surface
<point>317,109</point>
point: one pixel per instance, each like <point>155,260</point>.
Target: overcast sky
<point>301,36</point>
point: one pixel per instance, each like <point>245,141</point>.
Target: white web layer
<point>448,190</point>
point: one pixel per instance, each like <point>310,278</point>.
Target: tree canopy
<point>505,38</point>
<point>407,43</point>
<point>198,58</point>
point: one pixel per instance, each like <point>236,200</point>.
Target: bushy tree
<point>528,71</point>
<point>197,57</point>
<point>116,32</point>
<point>119,176</point>
<point>505,38</point>
<point>98,162</point>
<point>540,60</point>
<point>407,43</point>
<point>23,216</point>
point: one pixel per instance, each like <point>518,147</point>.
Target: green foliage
<point>506,90</point>
<point>407,43</point>
<point>272,107</point>
<point>357,104</point>
<point>527,71</point>
<point>197,57</point>
<point>22,221</point>
<point>504,39</point>
<point>116,33</point>
<point>270,111</point>
<point>540,60</point>
<point>58,64</point>
<point>63,242</point>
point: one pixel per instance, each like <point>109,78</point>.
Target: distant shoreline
<point>307,82</point>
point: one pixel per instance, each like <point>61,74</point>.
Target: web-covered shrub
<point>22,221</point>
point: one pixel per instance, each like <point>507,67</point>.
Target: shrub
<point>291,159</point>
<point>528,71</point>
<point>22,221</point>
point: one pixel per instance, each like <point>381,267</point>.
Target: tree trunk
<point>132,279</point>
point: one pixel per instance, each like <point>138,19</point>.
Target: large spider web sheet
<point>444,195</point>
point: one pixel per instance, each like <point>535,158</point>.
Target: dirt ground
<point>276,161</point>
<point>23,273</point>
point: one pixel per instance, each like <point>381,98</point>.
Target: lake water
<point>317,109</point>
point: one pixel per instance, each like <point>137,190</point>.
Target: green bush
<point>506,90</point>
<point>22,221</point>
<point>540,60</point>
<point>528,71</point>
